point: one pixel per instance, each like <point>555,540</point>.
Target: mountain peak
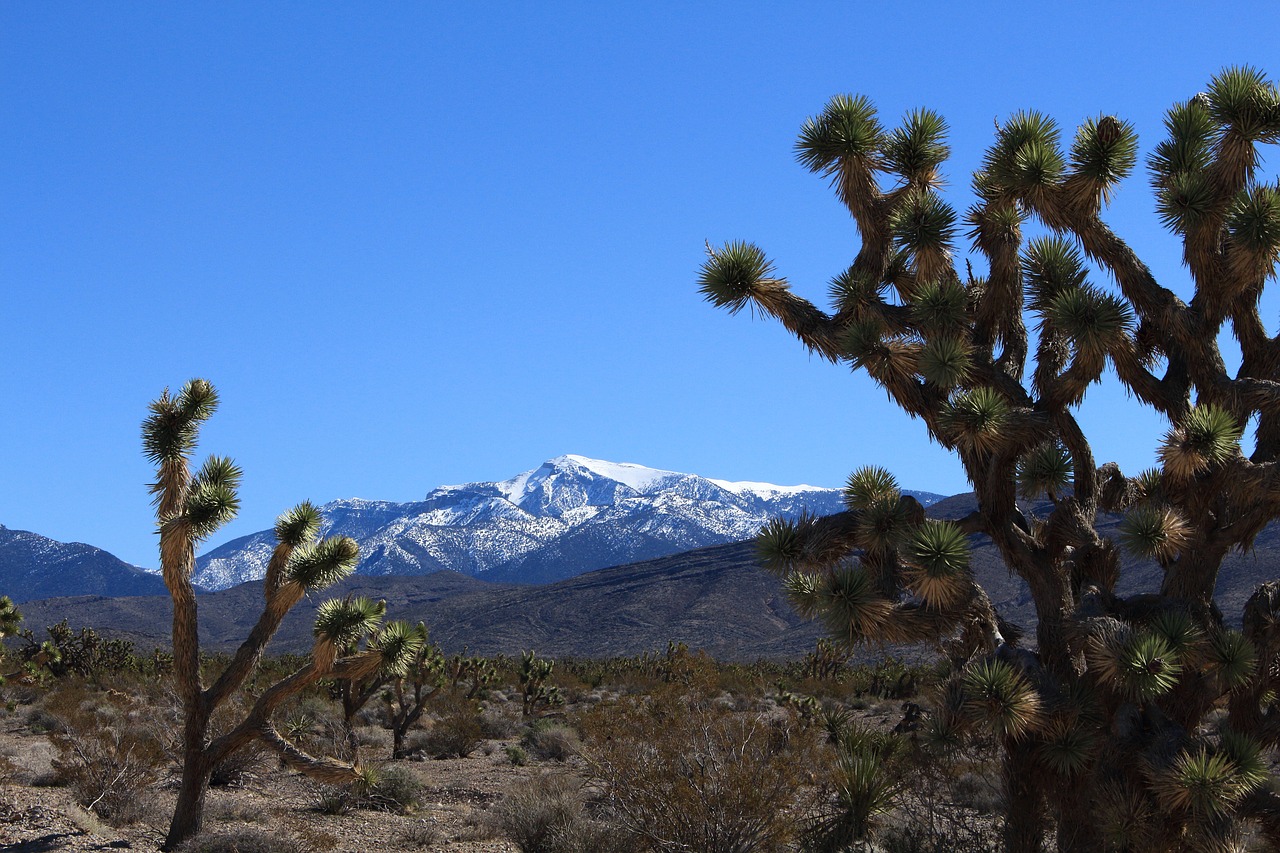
<point>570,514</point>
<point>638,477</point>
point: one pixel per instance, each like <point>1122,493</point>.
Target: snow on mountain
<point>34,566</point>
<point>570,515</point>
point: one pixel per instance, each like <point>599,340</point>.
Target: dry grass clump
<point>551,740</point>
<point>549,814</point>
<point>244,841</point>
<point>109,753</point>
<point>685,773</point>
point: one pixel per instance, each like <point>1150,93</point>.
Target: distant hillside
<point>715,598</point>
<point>712,598</point>
<point>34,566</point>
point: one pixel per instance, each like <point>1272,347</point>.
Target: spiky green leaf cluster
<point>1185,201</point>
<point>1208,435</point>
<point>1051,266</point>
<point>343,622</point>
<point>1204,783</point>
<point>1247,755</point>
<point>1024,158</point>
<point>868,485</point>
<point>863,340</point>
<point>298,526</point>
<point>939,308</point>
<point>212,497</point>
<point>1045,469</point>
<point>946,362</point>
<point>1105,149</point>
<point>922,222</point>
<point>1180,633</point>
<point>881,524</point>
<point>1149,485</point>
<point>976,419</point>
<point>1153,532</point>
<point>804,592</point>
<point>1093,320</point>
<point>731,273</point>
<point>1242,98</point>
<point>855,292</point>
<point>847,129</point>
<point>1253,221</point>
<point>170,432</point>
<point>997,694</point>
<point>1067,745</point>
<point>918,147</point>
<point>324,563</point>
<point>849,606</point>
<point>399,643</point>
<point>780,545</point>
<point>10,617</point>
<point>1188,149</point>
<point>1144,667</point>
<point>938,552</point>
<point>1233,657</point>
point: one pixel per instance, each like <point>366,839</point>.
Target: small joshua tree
<point>1104,725</point>
<point>189,508</point>
<point>355,693</point>
<point>535,692</point>
<point>409,693</point>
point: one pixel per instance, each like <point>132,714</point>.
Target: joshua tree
<point>189,508</point>
<point>408,695</point>
<point>355,693</point>
<point>1104,722</point>
<point>534,675</point>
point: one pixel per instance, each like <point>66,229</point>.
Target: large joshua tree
<point>1105,721</point>
<point>189,508</point>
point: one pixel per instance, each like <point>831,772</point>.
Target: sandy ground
<point>454,815</point>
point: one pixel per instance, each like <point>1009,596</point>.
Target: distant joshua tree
<point>189,508</point>
<point>1105,725</point>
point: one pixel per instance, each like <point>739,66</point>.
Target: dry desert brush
<point>1103,725</point>
<point>190,506</point>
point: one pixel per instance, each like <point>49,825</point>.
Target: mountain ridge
<point>34,566</point>
<point>569,515</point>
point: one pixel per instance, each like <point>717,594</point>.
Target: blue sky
<point>416,244</point>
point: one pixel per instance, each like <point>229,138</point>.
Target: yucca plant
<point>995,364</point>
<point>189,508</point>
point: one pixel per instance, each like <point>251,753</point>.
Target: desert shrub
<point>690,775</point>
<point>392,788</point>
<point>108,756</point>
<point>243,841</point>
<point>419,835</point>
<point>43,721</point>
<point>517,755</point>
<point>548,814</point>
<point>332,799</point>
<point>551,740</point>
<point>496,725</point>
<point>457,730</point>
<point>238,768</point>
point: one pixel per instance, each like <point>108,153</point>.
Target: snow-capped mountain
<point>34,566</point>
<point>568,516</point>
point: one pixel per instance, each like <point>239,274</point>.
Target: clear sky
<point>418,243</point>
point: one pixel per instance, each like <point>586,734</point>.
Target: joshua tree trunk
<point>188,814</point>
